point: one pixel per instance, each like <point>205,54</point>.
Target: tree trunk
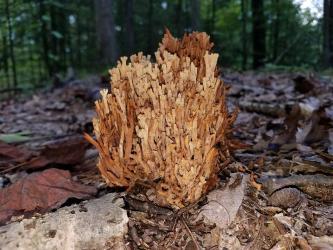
<point>276,32</point>
<point>178,16</point>
<point>43,32</point>
<point>5,59</point>
<point>105,31</point>
<point>195,14</point>
<point>258,33</point>
<point>78,33</point>
<point>213,18</point>
<point>150,28</point>
<point>328,33</point>
<point>11,43</point>
<point>244,33</point>
<point>64,40</point>
<point>69,42</point>
<point>58,31</point>
<point>129,26</point>
<point>32,65</point>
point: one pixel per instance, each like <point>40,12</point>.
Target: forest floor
<point>276,194</point>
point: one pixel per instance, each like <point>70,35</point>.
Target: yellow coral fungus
<point>165,122</point>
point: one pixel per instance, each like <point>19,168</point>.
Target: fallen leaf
<point>303,132</point>
<point>308,106</point>
<point>323,242</point>
<point>41,192</point>
<point>66,151</point>
<point>291,123</point>
<point>69,150</point>
<point>285,220</point>
<point>223,205</point>
<point>13,153</point>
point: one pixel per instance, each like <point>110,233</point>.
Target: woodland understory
<point>187,154</point>
<point>276,193</point>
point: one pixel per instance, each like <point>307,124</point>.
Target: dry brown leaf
<point>223,204</point>
<point>14,153</point>
<point>69,150</point>
<point>41,192</point>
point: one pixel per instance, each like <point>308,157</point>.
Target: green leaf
<point>57,34</point>
<point>53,57</point>
<point>15,137</point>
<point>46,18</point>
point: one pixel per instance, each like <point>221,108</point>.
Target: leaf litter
<point>41,192</point>
<point>282,200</point>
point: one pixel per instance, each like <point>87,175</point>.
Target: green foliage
<point>51,35</point>
<point>227,34</point>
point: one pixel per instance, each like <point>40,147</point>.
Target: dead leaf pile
<point>38,134</point>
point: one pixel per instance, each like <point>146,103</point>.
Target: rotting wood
<point>165,122</point>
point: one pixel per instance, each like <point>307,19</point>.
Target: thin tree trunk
<point>129,26</point>
<point>328,33</point>
<point>208,19</point>
<point>32,65</point>
<point>276,32</point>
<point>69,43</point>
<point>188,15</point>
<point>54,40</point>
<point>150,27</point>
<point>89,29</point>
<point>178,17</point>
<point>244,33</point>
<point>41,69</point>
<point>11,43</point>
<point>45,43</point>
<point>288,48</point>
<point>195,14</point>
<point>258,33</point>
<point>105,31</point>
<point>78,41</point>
<point>64,31</point>
<point>212,24</point>
<point>5,59</point>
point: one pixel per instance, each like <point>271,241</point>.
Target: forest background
<point>42,40</point>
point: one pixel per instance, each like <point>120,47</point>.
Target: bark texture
<point>258,33</point>
<point>105,31</point>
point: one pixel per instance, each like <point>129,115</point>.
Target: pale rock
<point>95,224</point>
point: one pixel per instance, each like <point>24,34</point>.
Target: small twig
<point>190,233</point>
<point>134,234</point>
<point>147,207</point>
<point>189,207</point>
<point>14,167</point>
<point>261,218</point>
<point>176,220</point>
